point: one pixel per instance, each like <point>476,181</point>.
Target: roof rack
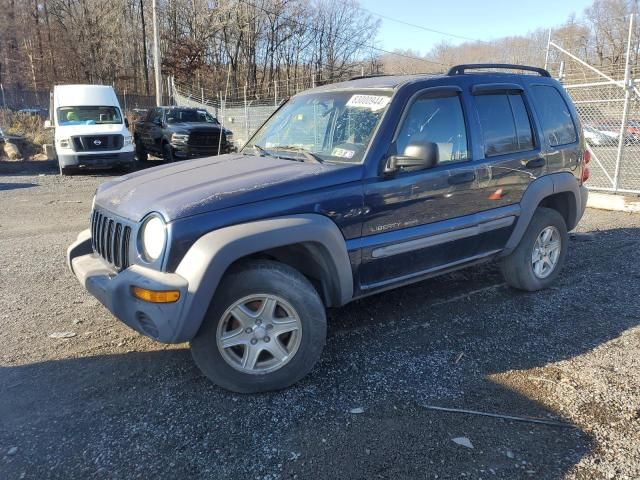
<point>372,75</point>
<point>460,69</point>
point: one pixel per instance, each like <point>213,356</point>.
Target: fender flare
<point>537,191</point>
<point>208,259</point>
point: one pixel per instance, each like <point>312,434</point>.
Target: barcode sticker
<point>372,102</point>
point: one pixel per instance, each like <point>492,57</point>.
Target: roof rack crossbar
<point>460,69</point>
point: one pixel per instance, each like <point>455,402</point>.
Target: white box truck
<point>90,128</point>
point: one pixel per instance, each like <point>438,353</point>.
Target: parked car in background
<point>177,133</point>
<point>596,138</point>
<point>90,129</point>
<point>347,190</point>
<point>633,129</point>
<point>40,112</point>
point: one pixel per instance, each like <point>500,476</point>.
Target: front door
<point>415,220</point>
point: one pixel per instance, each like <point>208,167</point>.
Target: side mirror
<point>126,122</point>
<point>158,121</point>
<point>47,124</point>
<point>419,156</point>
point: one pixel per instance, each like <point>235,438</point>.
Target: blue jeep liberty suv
<point>347,190</point>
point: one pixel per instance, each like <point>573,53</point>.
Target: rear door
<point>512,153</point>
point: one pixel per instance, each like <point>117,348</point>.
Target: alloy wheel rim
<point>259,334</point>
<point>546,252</point>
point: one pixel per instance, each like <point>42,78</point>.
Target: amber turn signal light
<point>156,296</point>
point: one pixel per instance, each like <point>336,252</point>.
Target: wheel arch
<point>311,243</point>
<point>559,191</point>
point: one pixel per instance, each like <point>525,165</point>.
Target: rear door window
<point>505,123</point>
<point>557,124</point>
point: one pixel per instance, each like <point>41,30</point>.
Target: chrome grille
<point>110,239</point>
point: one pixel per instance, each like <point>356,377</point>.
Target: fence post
<point>275,93</point>
<point>246,115</point>
<point>546,57</point>
<point>628,85</point>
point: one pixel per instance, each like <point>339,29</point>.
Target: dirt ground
<point>109,403</point>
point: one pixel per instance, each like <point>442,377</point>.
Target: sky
<point>477,19</point>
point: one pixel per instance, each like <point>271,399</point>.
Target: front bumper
<point>106,159</point>
<point>161,321</point>
<point>190,151</point>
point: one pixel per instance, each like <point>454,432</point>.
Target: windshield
<point>88,115</point>
<point>189,116</point>
<point>334,126</point>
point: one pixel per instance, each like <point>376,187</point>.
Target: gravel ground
<point>108,403</point>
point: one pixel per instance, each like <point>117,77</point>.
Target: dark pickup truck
<point>347,190</point>
<point>178,133</point>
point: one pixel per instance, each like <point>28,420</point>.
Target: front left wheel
<point>167,153</point>
<point>265,329</point>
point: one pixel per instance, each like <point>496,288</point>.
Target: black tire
<point>270,278</point>
<point>517,268</point>
<point>167,153</point>
<point>141,152</point>
<point>127,167</point>
<point>66,171</point>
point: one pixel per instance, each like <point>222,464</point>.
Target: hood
<point>96,129</point>
<point>196,126</point>
<point>198,186</point>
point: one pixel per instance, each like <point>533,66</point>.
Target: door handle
<point>460,178</point>
<point>535,163</point>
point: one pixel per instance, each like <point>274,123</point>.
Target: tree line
<point>598,36</point>
<point>259,45</point>
<point>252,42</point>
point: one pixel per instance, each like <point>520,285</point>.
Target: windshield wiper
<point>310,156</point>
<point>261,150</point>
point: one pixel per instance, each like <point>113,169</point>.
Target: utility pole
<point>156,55</point>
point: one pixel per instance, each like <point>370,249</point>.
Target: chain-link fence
<point>608,101</point>
<point>243,113</point>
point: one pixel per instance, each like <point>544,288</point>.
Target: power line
<point>421,27</point>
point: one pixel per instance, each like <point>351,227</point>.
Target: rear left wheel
<point>265,329</point>
<point>538,259</point>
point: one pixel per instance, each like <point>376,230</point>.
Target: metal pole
<point>546,57</point>
<point>169,91</point>
<point>125,99</point>
<point>275,93</point>
<point>4,103</point>
<point>202,95</point>
<point>561,72</point>
<point>156,56</point>
<point>246,115</point>
<point>628,85</point>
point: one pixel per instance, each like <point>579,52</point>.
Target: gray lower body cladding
<point>200,272</point>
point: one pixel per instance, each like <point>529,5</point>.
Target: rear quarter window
<point>557,124</point>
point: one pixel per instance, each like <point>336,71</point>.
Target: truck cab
<point>90,128</point>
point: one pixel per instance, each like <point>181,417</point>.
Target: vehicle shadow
<point>153,414</point>
<point>16,186</point>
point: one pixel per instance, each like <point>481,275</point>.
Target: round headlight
<point>152,238</point>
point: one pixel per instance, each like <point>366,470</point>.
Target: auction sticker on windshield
<point>372,102</point>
